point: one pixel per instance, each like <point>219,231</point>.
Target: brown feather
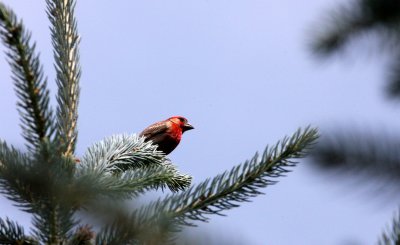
<point>154,129</point>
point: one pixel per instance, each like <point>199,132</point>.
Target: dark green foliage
<point>29,81</point>
<point>393,87</point>
<point>360,154</point>
<point>392,235</point>
<point>11,234</point>
<point>15,172</point>
<point>370,158</point>
<point>359,19</point>
<point>37,184</point>
<point>353,19</point>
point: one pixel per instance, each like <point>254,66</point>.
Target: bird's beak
<point>187,126</point>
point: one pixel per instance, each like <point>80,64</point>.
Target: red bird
<point>167,134</point>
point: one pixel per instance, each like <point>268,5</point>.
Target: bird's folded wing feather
<point>154,129</point>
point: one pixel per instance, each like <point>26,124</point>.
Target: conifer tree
<point>372,157</point>
<point>48,181</point>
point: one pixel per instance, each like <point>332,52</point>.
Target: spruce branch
<point>12,233</point>
<point>213,196</point>
<point>29,81</point>
<point>392,235</point>
<point>126,185</point>
<point>52,211</point>
<point>358,19</point>
<point>65,42</point>
<point>372,158</point>
<point>393,77</point>
<point>342,24</point>
<point>127,164</point>
<point>227,190</point>
<point>355,18</point>
<point>52,223</point>
<point>38,184</point>
<point>119,232</point>
<point>15,170</point>
<point>125,228</point>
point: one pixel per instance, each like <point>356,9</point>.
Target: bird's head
<point>182,122</point>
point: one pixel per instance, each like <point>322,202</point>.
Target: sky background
<point>240,71</point>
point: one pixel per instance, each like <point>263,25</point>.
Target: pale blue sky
<point>241,73</point>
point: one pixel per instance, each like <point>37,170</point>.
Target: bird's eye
<point>181,119</point>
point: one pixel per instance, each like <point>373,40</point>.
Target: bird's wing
<point>153,130</point>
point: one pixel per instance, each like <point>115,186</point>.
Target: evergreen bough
<point>372,157</point>
<point>50,183</point>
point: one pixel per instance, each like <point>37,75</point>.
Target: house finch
<point>167,134</point>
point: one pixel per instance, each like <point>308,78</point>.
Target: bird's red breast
<point>166,134</point>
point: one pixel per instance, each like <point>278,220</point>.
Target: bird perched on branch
<point>167,134</point>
